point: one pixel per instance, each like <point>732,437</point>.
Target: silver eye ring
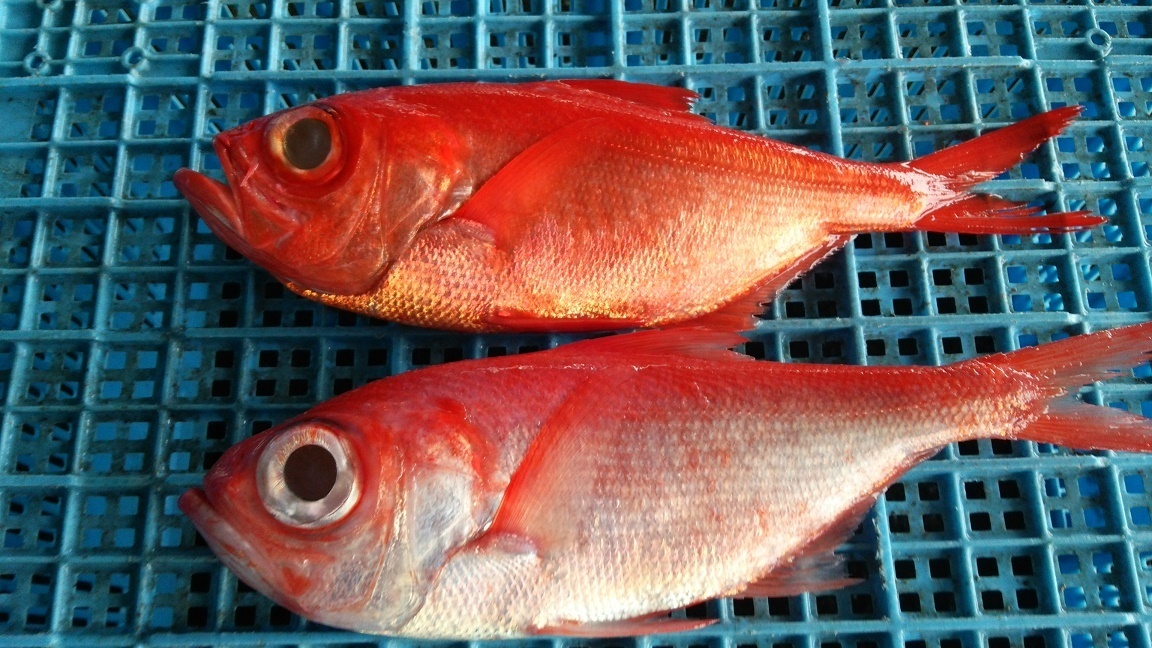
<point>307,476</point>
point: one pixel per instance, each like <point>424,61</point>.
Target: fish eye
<point>307,477</point>
<point>305,144</point>
<point>310,472</point>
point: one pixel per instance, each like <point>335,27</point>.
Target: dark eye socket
<point>307,143</point>
<point>310,472</point>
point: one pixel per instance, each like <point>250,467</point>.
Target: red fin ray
<point>965,165</point>
<point>803,576</point>
<point>528,322</point>
<point>511,202</point>
<point>969,163</point>
<point>645,94</point>
<point>1074,361</point>
<point>538,503</point>
<point>1089,427</point>
<point>816,568</point>
<point>987,214</point>
<point>685,341</point>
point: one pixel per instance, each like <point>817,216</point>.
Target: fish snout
<point>215,529</point>
<point>233,548</point>
<point>214,202</point>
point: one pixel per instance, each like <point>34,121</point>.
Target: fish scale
<point>742,208</point>
<point>681,490</point>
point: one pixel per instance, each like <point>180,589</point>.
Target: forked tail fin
<point>966,165</point>
<point>1062,367</point>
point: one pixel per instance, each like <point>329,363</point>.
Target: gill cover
<point>356,186</point>
<point>446,501</point>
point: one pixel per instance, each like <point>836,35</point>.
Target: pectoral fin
<point>526,190</point>
<point>614,222</point>
<point>604,177</point>
<point>544,503</point>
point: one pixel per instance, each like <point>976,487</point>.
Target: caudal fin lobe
<point>968,164</point>
<point>986,214</point>
<point>1063,367</point>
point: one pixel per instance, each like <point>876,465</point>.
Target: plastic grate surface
<point>135,347</point>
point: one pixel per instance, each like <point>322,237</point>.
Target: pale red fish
<point>584,490</point>
<point>570,205</point>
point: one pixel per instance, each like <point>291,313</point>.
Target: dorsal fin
<point>645,94</point>
<point>685,341</point>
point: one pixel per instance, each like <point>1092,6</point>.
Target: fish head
<point>304,514</point>
<point>327,195</point>
<point>348,514</point>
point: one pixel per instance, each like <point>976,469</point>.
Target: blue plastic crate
<point>135,347</point>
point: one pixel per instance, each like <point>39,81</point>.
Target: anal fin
<point>740,313</point>
<point>815,568</point>
<point>645,625</point>
<point>809,574</point>
<point>683,341</point>
<point>527,322</point>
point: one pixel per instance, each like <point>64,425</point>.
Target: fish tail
<point>1062,367</point>
<point>966,165</point>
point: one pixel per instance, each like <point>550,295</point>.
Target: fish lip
<point>224,539</point>
<point>216,204</point>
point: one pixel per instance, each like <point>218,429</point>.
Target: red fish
<point>584,490</point>
<point>570,205</point>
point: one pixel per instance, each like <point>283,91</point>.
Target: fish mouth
<point>226,542</point>
<point>215,203</point>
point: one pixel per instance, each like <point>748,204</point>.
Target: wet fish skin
<point>580,490</point>
<point>573,205</point>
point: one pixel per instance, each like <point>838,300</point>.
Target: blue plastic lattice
<point>135,347</point>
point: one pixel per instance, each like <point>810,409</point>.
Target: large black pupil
<point>310,472</point>
<point>307,143</point>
